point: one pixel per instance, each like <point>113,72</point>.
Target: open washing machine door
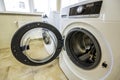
<point>36,43</point>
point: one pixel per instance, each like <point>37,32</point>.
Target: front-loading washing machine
<point>88,43</point>
<point>95,23</point>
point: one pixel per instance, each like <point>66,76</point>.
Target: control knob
<point>79,9</point>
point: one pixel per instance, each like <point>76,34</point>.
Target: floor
<point>11,69</point>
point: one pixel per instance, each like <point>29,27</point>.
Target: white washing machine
<point>88,43</point>
<point>77,22</point>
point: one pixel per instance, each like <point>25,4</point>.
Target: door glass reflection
<point>38,44</point>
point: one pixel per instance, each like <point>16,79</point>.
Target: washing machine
<point>87,46</point>
<point>95,23</point>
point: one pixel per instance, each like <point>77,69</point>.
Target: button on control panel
<point>79,9</point>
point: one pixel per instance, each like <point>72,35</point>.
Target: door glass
<point>38,44</point>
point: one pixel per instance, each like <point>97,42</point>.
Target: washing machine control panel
<point>86,10</point>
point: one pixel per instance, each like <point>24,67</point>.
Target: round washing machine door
<point>36,43</point>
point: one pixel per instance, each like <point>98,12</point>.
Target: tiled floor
<point>11,69</point>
